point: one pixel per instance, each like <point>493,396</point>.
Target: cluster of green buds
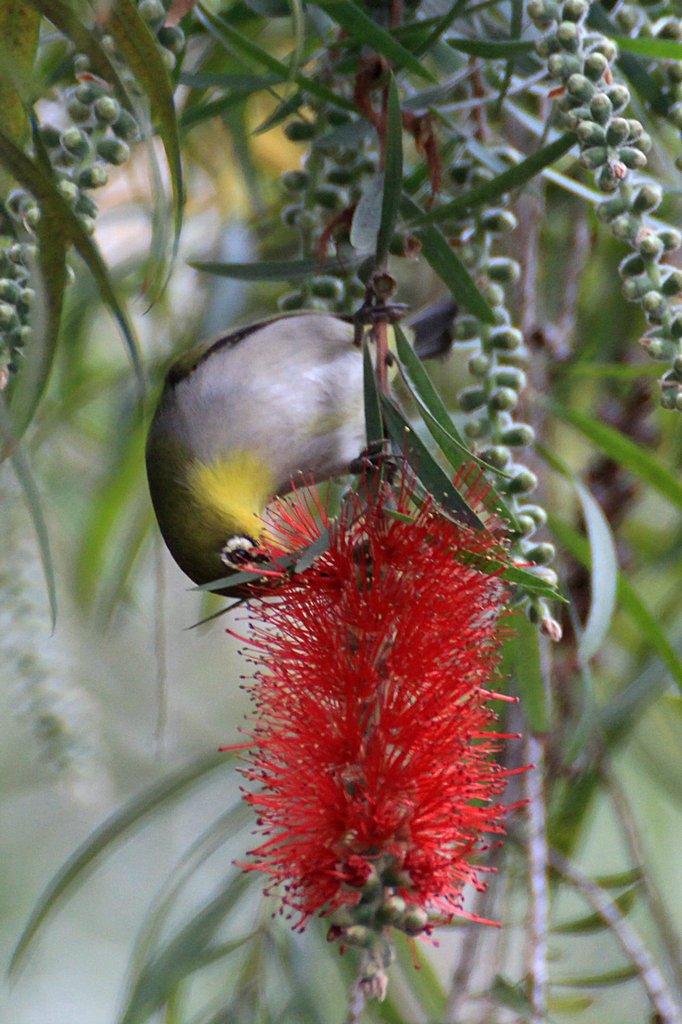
<point>319,196</point>
<point>498,368</point>
<point>97,133</point>
<point>365,924</point>
<point>614,148</point>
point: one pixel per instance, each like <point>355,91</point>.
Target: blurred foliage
<point>479,181</point>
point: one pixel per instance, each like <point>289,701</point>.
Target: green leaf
<point>421,977</point>
<point>440,255</point>
<point>231,38</point>
<point>432,477</point>
<point>595,922</point>
<point>489,191</point>
<point>623,451</point>
<point>665,49</point>
<point>140,48</point>
<point>153,799</point>
<point>512,996</point>
<point>19,27</point>
<point>393,173</point>
<point>615,977</point>
<point>374,426</point>
<point>273,270</point>
<point>498,49</point>
<point>364,229</point>
<point>603,577</point>
<point>521,659</point>
<point>630,64</point>
<point>360,27</point>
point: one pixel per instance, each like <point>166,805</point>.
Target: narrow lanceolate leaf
<point>623,451</point>
<point>489,191</point>
<point>440,255</point>
<point>521,660</point>
<point>663,49</point>
<point>374,427</point>
<point>393,173</point>
<point>363,29</point>
<point>499,49</point>
<point>603,576</point>
<point>234,40</point>
<point>34,504</point>
<point>430,474</point>
<point>140,48</point>
<point>272,270</point>
<point>364,229</point>
<point>19,25</point>
<point>152,800</point>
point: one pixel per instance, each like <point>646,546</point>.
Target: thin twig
<point>627,938</point>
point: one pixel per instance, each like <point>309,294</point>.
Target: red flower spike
<point>373,742</point>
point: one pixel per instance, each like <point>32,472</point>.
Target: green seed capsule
<point>648,197</point>
<point>500,268</point>
<point>635,288</point>
<point>94,176</point>
<point>172,38</point>
<point>522,482</point>
<point>536,513</point>
<point>631,266</point>
<point>106,109</point>
<point>574,10</point>
<point>152,11</point>
<point>594,157</point>
<point>87,92</point>
<point>600,108</point>
<point>49,135</point>
<point>328,197</point>
<point>114,151</point>
<point>568,35</point>
<point>607,180</point>
<point>125,127</point>
<point>607,48</point>
<point>618,131</point>
<point>9,291</point>
<point>619,96</point>
<point>76,142</point>
<point>672,283</point>
<point>78,112</point>
<point>632,158</point>
<point>300,131</point>
<point>595,66</point>
<point>493,293</point>
<point>498,221</point>
<point>295,181</point>
<point>671,238</point>
<point>510,377</point>
<point>502,399</point>
<point>496,456</point>
<point>525,525</point>
<point>580,87</point>
<point>330,288</point>
<point>505,338</point>
<point>611,208</point>
<point>519,435</point>
<point>541,554</point>
<point>655,306</point>
<point>467,328</point>
<point>479,365</point>
<point>590,134</point>
<point>8,316</point>
<point>561,65</point>
<point>625,227</point>
<point>291,301</point>
<point>650,247</point>
<point>472,398</point>
<point>477,428</point>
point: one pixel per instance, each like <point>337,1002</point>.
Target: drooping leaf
<point>393,173</point>
<point>374,428</point>
<point>492,49</point>
<point>272,270</point>
<point>521,660</point>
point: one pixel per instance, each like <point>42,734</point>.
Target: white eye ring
<point>239,551</point>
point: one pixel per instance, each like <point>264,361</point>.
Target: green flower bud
<point>546,46</point>
<point>114,151</point>
<point>327,288</point>
<point>172,38</point>
<point>76,142</point>
<point>626,227</point>
<point>561,65</point>
<point>631,266</point>
<point>594,156</point>
<point>609,178</point>
<point>23,253</point>
<point>168,58</point>
<point>106,109</point>
<point>471,398</point>
<point>635,288</point>
<point>295,181</point>
<point>580,87</point>
<point>94,176</point>
<point>9,291</point>
<point>611,208</point>
<point>654,305</point>
<point>543,12</point>
<point>496,456</point>
<point>510,377</point>
<point>329,197</point>
<point>518,435</point>
<point>125,127</point>
<point>291,214</point>
<point>568,35</point>
<point>632,158</point>
<point>467,328</point>
<point>668,28</point>
<point>519,357</point>
<point>525,525</point>
<point>87,92</point>
<point>653,347</point>
<point>590,134</point>
<point>618,131</point>
<point>648,197</point>
<point>498,221</point>
<point>672,283</point>
<point>392,908</point>
<point>414,921</point>
<point>477,428</point>
<point>152,11</point>
<point>81,63</point>
<point>500,268</point>
<point>78,112</point>
<point>300,131</point>
<point>671,238</point>
<point>494,293</point>
<point>291,301</point>
<point>645,142</point>
<point>505,338</point>
<point>675,327</point>
<point>607,48</point>
<point>358,935</point>
<point>650,247</point>
<point>574,10</point>
<point>619,96</point>
<point>595,66</point>
<point>479,365</point>
<point>522,482</point>
<point>502,399</point>
<point>8,316</point>
<point>600,108</point>
<point>49,135</point>
<point>541,554</point>
<point>536,513</point>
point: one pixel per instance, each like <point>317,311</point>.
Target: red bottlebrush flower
<point>373,742</point>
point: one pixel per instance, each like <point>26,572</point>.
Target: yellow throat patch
<point>232,493</point>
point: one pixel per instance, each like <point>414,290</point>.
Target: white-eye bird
<point>244,418</point>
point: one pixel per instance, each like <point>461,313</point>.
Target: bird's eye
<point>241,551</point>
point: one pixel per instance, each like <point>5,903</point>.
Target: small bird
<point>242,419</point>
